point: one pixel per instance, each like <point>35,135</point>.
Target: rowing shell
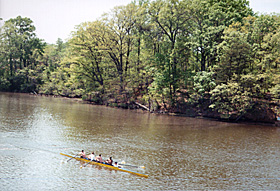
<point>106,165</point>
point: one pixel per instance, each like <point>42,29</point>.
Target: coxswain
<point>109,161</point>
<point>82,154</point>
<point>91,156</point>
<point>99,158</point>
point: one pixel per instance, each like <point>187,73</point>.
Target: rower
<point>82,154</point>
<point>109,161</point>
<point>98,158</point>
<point>91,156</point>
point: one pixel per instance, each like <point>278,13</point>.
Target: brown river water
<point>178,153</point>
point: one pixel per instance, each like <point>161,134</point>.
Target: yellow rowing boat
<point>106,165</point>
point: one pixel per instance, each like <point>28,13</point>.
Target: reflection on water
<point>179,153</point>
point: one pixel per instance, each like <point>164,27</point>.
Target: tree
<point>204,82</point>
<point>235,56</point>
<point>209,19</point>
<point>20,43</point>
<point>118,39</point>
<point>230,101</point>
<point>247,70</point>
<point>171,18</point>
<point>86,52</point>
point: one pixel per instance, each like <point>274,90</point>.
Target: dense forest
<point>213,58</point>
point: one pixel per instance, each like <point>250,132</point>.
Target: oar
<point>86,164</point>
<point>71,158</point>
<point>123,163</point>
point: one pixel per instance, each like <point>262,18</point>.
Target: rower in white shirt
<point>91,156</point>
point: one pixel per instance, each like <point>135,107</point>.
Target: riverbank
<point>267,117</point>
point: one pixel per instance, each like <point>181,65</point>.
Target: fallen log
<point>142,106</point>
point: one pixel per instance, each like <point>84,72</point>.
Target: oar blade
<point>124,164</point>
<point>72,158</point>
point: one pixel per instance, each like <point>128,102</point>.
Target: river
<point>178,153</point>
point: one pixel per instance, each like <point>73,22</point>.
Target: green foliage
<point>203,82</point>
<point>161,75</point>
<point>275,91</point>
<point>209,19</point>
<point>85,55</point>
<point>229,99</point>
<point>257,85</point>
<point>19,48</point>
<point>171,19</point>
<point>235,56</point>
<point>4,84</point>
